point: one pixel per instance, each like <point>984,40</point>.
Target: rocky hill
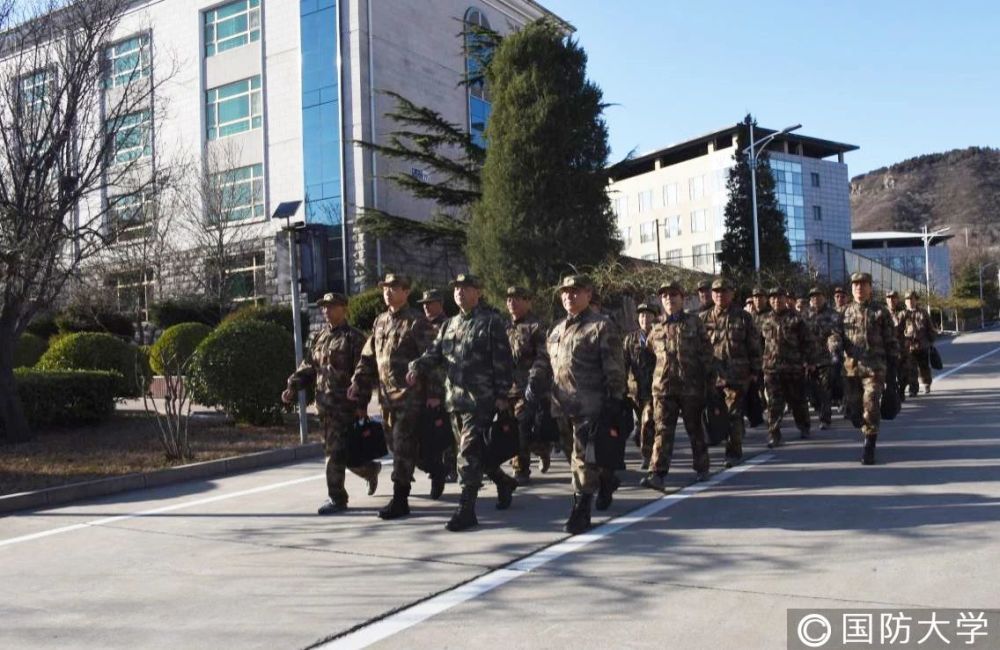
<point>959,188</point>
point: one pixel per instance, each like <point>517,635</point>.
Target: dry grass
<point>128,443</point>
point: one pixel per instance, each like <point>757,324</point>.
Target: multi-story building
<point>670,203</point>
<point>271,99</point>
<point>904,253</point>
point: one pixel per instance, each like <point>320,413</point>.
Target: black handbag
<point>436,437</point>
<point>716,417</point>
<point>365,442</point>
<point>754,406</point>
<point>613,428</point>
<point>501,442</point>
<point>891,403</point>
<point>935,358</point>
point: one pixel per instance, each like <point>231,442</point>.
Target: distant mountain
<point>959,188</point>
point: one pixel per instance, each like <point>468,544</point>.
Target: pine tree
<point>737,257</point>
<point>544,208</point>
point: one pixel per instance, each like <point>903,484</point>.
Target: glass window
<point>647,232</point>
<point>232,25</point>
<point>234,108</point>
<point>649,257</point>
<point>131,137</point>
<point>699,221</point>
<point>134,291</point>
<point>626,234</point>
<point>620,206</point>
<point>673,226</point>
<point>127,61</point>
<point>241,193</point>
<point>720,218</point>
<point>35,89</point>
<point>670,194</point>
<point>646,201</point>
<point>674,255</point>
<point>701,256</point>
<point>129,216</point>
<point>245,277</point>
<point>696,187</point>
<point>477,49</point>
<point>814,178</point>
<point>817,213</point>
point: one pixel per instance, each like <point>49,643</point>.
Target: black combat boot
<point>464,516</point>
<point>505,488</point>
<point>868,458</point>
<point>332,506</point>
<point>437,484</point>
<point>399,506</point>
<point>606,491</point>
<point>579,517</point>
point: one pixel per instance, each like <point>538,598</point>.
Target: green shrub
<point>28,350</point>
<point>184,310</point>
<point>43,326</point>
<point>99,351</point>
<point>242,367</point>
<point>80,319</point>
<point>175,346</point>
<point>280,315</point>
<point>66,398</point>
<point>364,307</point>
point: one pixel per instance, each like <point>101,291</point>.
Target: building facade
<point>904,252</point>
<point>671,203</point>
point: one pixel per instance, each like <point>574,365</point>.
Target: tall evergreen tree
<point>737,256</point>
<point>544,209</point>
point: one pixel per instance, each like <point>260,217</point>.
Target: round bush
<point>184,310</point>
<point>79,319</point>
<point>28,350</point>
<point>99,351</point>
<point>364,307</point>
<point>280,315</point>
<point>242,368</point>
<point>176,346</point>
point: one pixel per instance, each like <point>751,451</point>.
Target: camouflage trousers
<point>336,426</point>
<point>522,462</point>
<point>471,430</point>
<point>822,386</point>
<point>782,388</point>
<point>578,434</point>
<point>666,410</point>
<point>645,428</point>
<point>402,438</point>
<point>864,395</point>
<point>918,368</point>
<point>735,398</point>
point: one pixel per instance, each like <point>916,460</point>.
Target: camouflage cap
<point>892,294</point>
<point>332,300</point>
<point>395,280</point>
<point>816,291</point>
<point>837,290</point>
<point>648,307</point>
<point>913,294</point>
<point>431,295</point>
<point>465,280</point>
<point>721,284</point>
<point>518,292</point>
<point>705,285</point>
<point>777,291</point>
<point>576,282</point>
<point>758,291</point>
<point>861,277</point>
<point>670,287</point>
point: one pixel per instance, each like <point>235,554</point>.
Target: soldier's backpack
<point>436,436</point>
<point>614,426</point>
<point>501,442</point>
<point>716,417</point>
<point>935,358</point>
<point>365,442</point>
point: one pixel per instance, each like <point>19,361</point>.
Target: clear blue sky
<point>898,78</point>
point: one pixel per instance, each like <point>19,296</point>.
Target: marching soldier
<point>737,353</point>
<point>680,381</point>
<point>399,335</point>
<point>840,300</point>
<point>333,353</point>
<point>825,322</point>
<point>526,334</point>
<point>639,365</point>
<point>869,344</point>
<point>473,348</point>
<point>588,372</point>
<point>762,307</point>
<point>432,303</point>
<point>919,335</point>
<point>906,361</point>
<point>788,355</point>
<point>705,296</point>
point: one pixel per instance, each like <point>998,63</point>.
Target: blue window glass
<point>232,25</point>
<point>234,108</point>
<point>477,90</point>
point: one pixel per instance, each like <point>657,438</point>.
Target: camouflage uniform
<point>434,384</point>
<point>332,355</point>
<point>680,380</point>
<point>758,322</point>
<point>705,285</point>
<point>788,347</point>
<point>869,344</point>
<point>825,322</point>
<point>397,339</point>
<point>531,362</point>
<point>918,336</point>
<point>639,364</point>
<point>737,357</point>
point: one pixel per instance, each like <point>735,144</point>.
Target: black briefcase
<point>365,442</point>
<point>891,404</point>
<point>501,442</point>
<point>612,431</point>
<point>716,417</point>
<point>436,437</point>
<point>754,406</point>
<point>546,429</point>
<point>934,357</point>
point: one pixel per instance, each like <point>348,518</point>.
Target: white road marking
<point>407,618</point>
<point>947,373</point>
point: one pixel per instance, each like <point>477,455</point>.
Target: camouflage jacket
<point>328,363</point>
<point>868,340</point>
<point>918,331</point>
<point>825,323</point>
<point>585,352</point>
<point>683,356</point>
<point>475,353</point>
<point>435,378</point>
<point>639,365</point>
<point>758,320</point>
<point>397,339</point>
<point>788,342</point>
<point>531,359</point>
<point>735,344</point>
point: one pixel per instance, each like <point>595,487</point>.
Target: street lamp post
<point>927,237</point>
<point>753,151</point>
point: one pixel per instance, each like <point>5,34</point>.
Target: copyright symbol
<point>806,634</point>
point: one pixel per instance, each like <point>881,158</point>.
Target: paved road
<point>243,561</point>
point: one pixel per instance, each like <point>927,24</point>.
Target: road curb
<point>64,494</point>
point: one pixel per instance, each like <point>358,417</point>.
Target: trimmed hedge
<point>43,326</point>
<point>66,398</point>
<point>28,350</point>
<point>280,315</point>
<point>184,310</point>
<point>364,307</point>
<point>99,351</point>
<point>175,346</point>
<point>242,367</point>
<point>77,319</point>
